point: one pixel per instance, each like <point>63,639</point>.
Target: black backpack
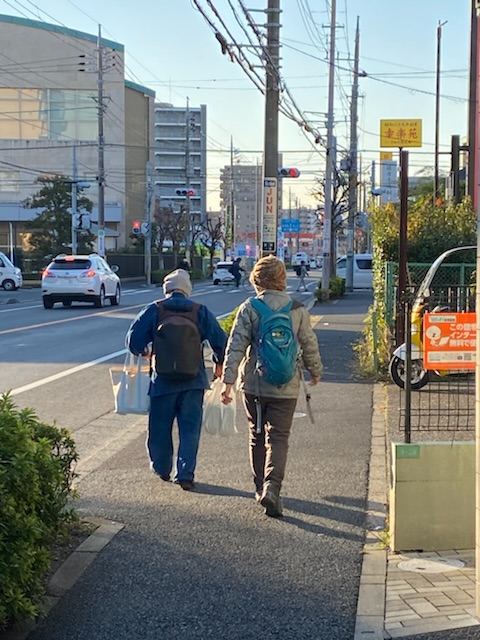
<point>177,344</point>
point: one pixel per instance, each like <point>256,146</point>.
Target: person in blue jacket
<point>180,399</point>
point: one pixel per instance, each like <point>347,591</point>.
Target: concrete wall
<point>432,496</point>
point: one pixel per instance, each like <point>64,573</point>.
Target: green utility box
<point>432,496</point>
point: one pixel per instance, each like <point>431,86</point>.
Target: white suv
<point>89,278</point>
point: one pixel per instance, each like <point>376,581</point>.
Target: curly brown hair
<point>269,273</point>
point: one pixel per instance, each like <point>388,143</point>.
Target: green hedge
<point>36,475</point>
<point>159,275</point>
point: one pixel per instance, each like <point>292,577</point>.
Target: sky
<point>170,48</point>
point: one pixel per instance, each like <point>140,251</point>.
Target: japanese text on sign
<point>449,340</point>
<point>270,206</point>
<point>400,133</point>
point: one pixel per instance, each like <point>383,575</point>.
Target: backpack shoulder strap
<point>191,313</point>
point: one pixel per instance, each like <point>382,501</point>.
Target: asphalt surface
<point>210,564</point>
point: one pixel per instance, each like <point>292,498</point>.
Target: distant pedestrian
<point>303,273</point>
<point>269,407</point>
<point>236,270</point>
<point>185,265</point>
<point>172,331</point>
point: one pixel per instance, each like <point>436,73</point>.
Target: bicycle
<point>244,282</point>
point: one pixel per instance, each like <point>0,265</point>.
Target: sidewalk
<point>210,564</point>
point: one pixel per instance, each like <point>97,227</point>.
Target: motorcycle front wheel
<point>420,376</point>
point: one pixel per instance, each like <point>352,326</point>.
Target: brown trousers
<point>269,448</point>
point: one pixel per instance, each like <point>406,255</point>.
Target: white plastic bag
<point>130,385</point>
<point>218,418</point>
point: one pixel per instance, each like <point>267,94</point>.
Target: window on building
<point>47,114</point>
<point>9,182</point>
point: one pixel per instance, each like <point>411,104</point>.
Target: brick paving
<point>421,602</point>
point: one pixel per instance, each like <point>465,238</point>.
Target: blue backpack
<point>276,343</point>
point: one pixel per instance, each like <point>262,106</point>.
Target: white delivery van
<point>10,275</point>
<point>362,270</point>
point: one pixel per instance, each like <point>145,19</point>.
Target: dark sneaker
<point>187,485</point>
<point>165,478</point>
<point>272,504</point>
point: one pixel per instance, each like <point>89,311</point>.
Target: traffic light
<point>137,228</point>
<point>186,192</point>
<point>288,172</point>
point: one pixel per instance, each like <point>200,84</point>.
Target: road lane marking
<point>67,372</point>
<point>63,320</point>
<point>80,367</point>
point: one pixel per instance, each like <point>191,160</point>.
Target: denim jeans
<point>187,408</point>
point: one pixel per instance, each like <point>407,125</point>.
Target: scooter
<point>397,367</point>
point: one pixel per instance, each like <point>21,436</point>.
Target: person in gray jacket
<point>269,447</point>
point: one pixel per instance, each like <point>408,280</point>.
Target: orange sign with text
<point>449,340</point>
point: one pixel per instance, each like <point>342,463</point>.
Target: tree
<point>339,206</point>
<point>431,229</point>
<point>213,233</point>
<point>51,230</point>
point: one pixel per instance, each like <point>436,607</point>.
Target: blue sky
<point>171,49</point>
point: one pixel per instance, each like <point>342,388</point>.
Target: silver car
<point>80,278</point>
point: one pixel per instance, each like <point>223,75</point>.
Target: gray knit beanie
<point>178,280</point>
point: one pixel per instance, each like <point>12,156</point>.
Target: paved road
<point>210,564</point>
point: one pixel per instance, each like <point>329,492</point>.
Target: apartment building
<point>181,156</point>
<point>49,107</point>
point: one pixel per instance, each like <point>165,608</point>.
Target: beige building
<point>49,107</point>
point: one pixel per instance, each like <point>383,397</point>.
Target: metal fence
<point>452,284</point>
<point>447,402</point>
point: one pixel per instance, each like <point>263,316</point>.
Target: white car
<point>87,278</point>
<point>10,275</point>
<point>222,273</point>
<point>362,270</point>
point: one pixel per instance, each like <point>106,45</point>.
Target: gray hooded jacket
<point>241,348</point>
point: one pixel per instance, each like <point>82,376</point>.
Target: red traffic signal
<point>186,192</point>
<point>136,227</point>
<point>288,172</point>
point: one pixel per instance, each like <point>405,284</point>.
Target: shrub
<point>36,475</point>
<point>335,290</point>
<point>159,275</point>
<point>227,323</point>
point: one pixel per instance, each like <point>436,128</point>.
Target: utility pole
<point>473,108</point>
<point>101,150</point>
<point>270,157</point>
<point>476,178</point>
<point>187,183</point>
<point>436,192</point>
<point>232,202</point>
<point>327,223</point>
<point>353,177</point>
<point>148,224</point>
<point>74,188</point>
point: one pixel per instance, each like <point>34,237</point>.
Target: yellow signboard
<point>386,156</point>
<point>400,133</point>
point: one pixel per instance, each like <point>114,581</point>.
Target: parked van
<point>10,275</point>
<point>298,257</point>
<point>362,270</point>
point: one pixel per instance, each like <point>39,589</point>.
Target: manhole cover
<point>299,414</point>
<point>436,565</point>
